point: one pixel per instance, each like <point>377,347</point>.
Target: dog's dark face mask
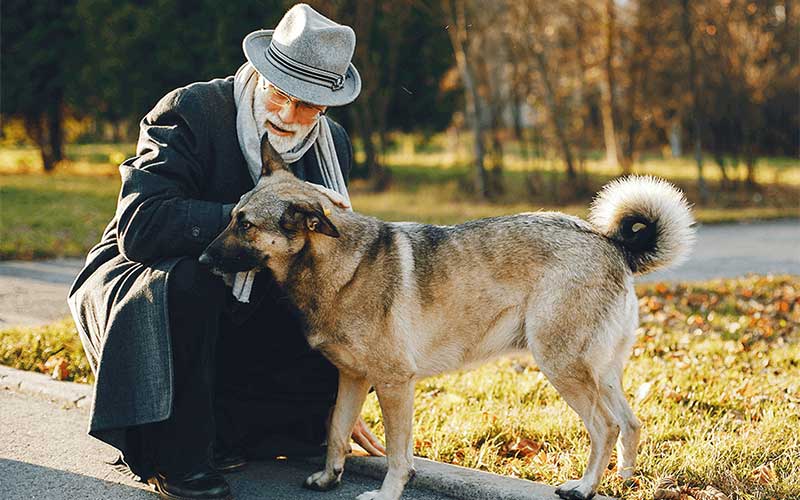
<point>271,223</point>
<point>265,228</point>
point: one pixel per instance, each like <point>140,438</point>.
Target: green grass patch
<point>714,377</point>
<point>63,214</point>
<point>56,215</point>
<point>84,158</point>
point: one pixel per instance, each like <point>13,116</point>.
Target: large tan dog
<point>390,303</point>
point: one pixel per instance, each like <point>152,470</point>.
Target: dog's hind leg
<point>580,388</point>
<point>397,406</point>
<point>628,443</point>
<point>349,400</point>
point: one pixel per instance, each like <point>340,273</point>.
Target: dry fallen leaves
<point>667,489</point>
<point>764,474</point>
<point>750,310</point>
<point>710,493</point>
<point>58,368</point>
<point>524,447</point>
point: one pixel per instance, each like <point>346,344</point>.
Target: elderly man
<point>193,376</point>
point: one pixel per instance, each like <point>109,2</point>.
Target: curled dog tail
<point>648,218</point>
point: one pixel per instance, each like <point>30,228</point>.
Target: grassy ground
<point>63,214</point>
<point>55,215</point>
<point>714,378</point>
<point>54,349</point>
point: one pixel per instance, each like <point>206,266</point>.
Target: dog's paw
<point>574,490</point>
<point>322,481</point>
<point>372,495</point>
<point>626,472</point>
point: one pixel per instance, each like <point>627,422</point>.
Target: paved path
<point>731,250</point>
<point>45,453</point>
<point>33,293</point>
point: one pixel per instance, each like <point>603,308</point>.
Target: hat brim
<point>255,49</point>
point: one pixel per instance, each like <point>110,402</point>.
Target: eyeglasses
<point>303,109</point>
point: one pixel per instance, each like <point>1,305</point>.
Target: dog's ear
<point>271,160</point>
<point>308,216</point>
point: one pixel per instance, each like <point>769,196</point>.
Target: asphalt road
<point>45,453</point>
<point>732,250</point>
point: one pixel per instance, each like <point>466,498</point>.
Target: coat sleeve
<point>159,212</point>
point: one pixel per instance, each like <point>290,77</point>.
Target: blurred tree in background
<point>401,54</point>
<point>568,78</point>
<point>135,52</point>
<point>40,54</point>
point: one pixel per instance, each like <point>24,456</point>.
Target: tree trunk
<point>518,92</point>
<point>695,111</point>
<point>583,86</point>
<point>675,146</point>
<point>555,115</point>
<point>494,105</point>
<point>553,112</point>
<point>472,100</point>
<point>55,127</point>
<point>364,127</point>
<point>725,181</point>
<point>607,101</point>
<point>401,12</point>
<point>750,141</point>
<point>47,132</point>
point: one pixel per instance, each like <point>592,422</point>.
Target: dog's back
<point>468,290</point>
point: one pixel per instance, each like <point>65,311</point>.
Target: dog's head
<point>272,222</point>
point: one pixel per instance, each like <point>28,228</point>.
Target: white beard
<point>262,115</point>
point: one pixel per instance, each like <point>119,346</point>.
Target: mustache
<point>291,127</point>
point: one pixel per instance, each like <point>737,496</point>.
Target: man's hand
<point>332,195</point>
<point>364,437</point>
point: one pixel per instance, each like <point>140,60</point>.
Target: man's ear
<point>311,217</point>
<point>271,160</point>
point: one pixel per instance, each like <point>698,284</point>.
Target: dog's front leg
<point>397,406</point>
<point>349,400</point>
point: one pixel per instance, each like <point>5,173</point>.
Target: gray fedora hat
<point>307,56</point>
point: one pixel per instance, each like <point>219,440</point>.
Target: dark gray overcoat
<point>176,196</point>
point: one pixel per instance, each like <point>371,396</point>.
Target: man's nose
<point>287,112</point>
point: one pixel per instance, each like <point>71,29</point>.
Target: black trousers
<point>245,379</point>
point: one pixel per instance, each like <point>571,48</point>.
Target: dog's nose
<point>205,259</point>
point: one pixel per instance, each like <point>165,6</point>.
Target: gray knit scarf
<point>247,130</point>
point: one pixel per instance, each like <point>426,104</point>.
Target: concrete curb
<point>455,481</point>
<point>39,384</point>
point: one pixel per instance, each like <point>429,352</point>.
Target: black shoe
<point>194,485</point>
<point>229,461</point>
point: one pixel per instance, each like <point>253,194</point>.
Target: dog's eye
<point>245,225</point>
